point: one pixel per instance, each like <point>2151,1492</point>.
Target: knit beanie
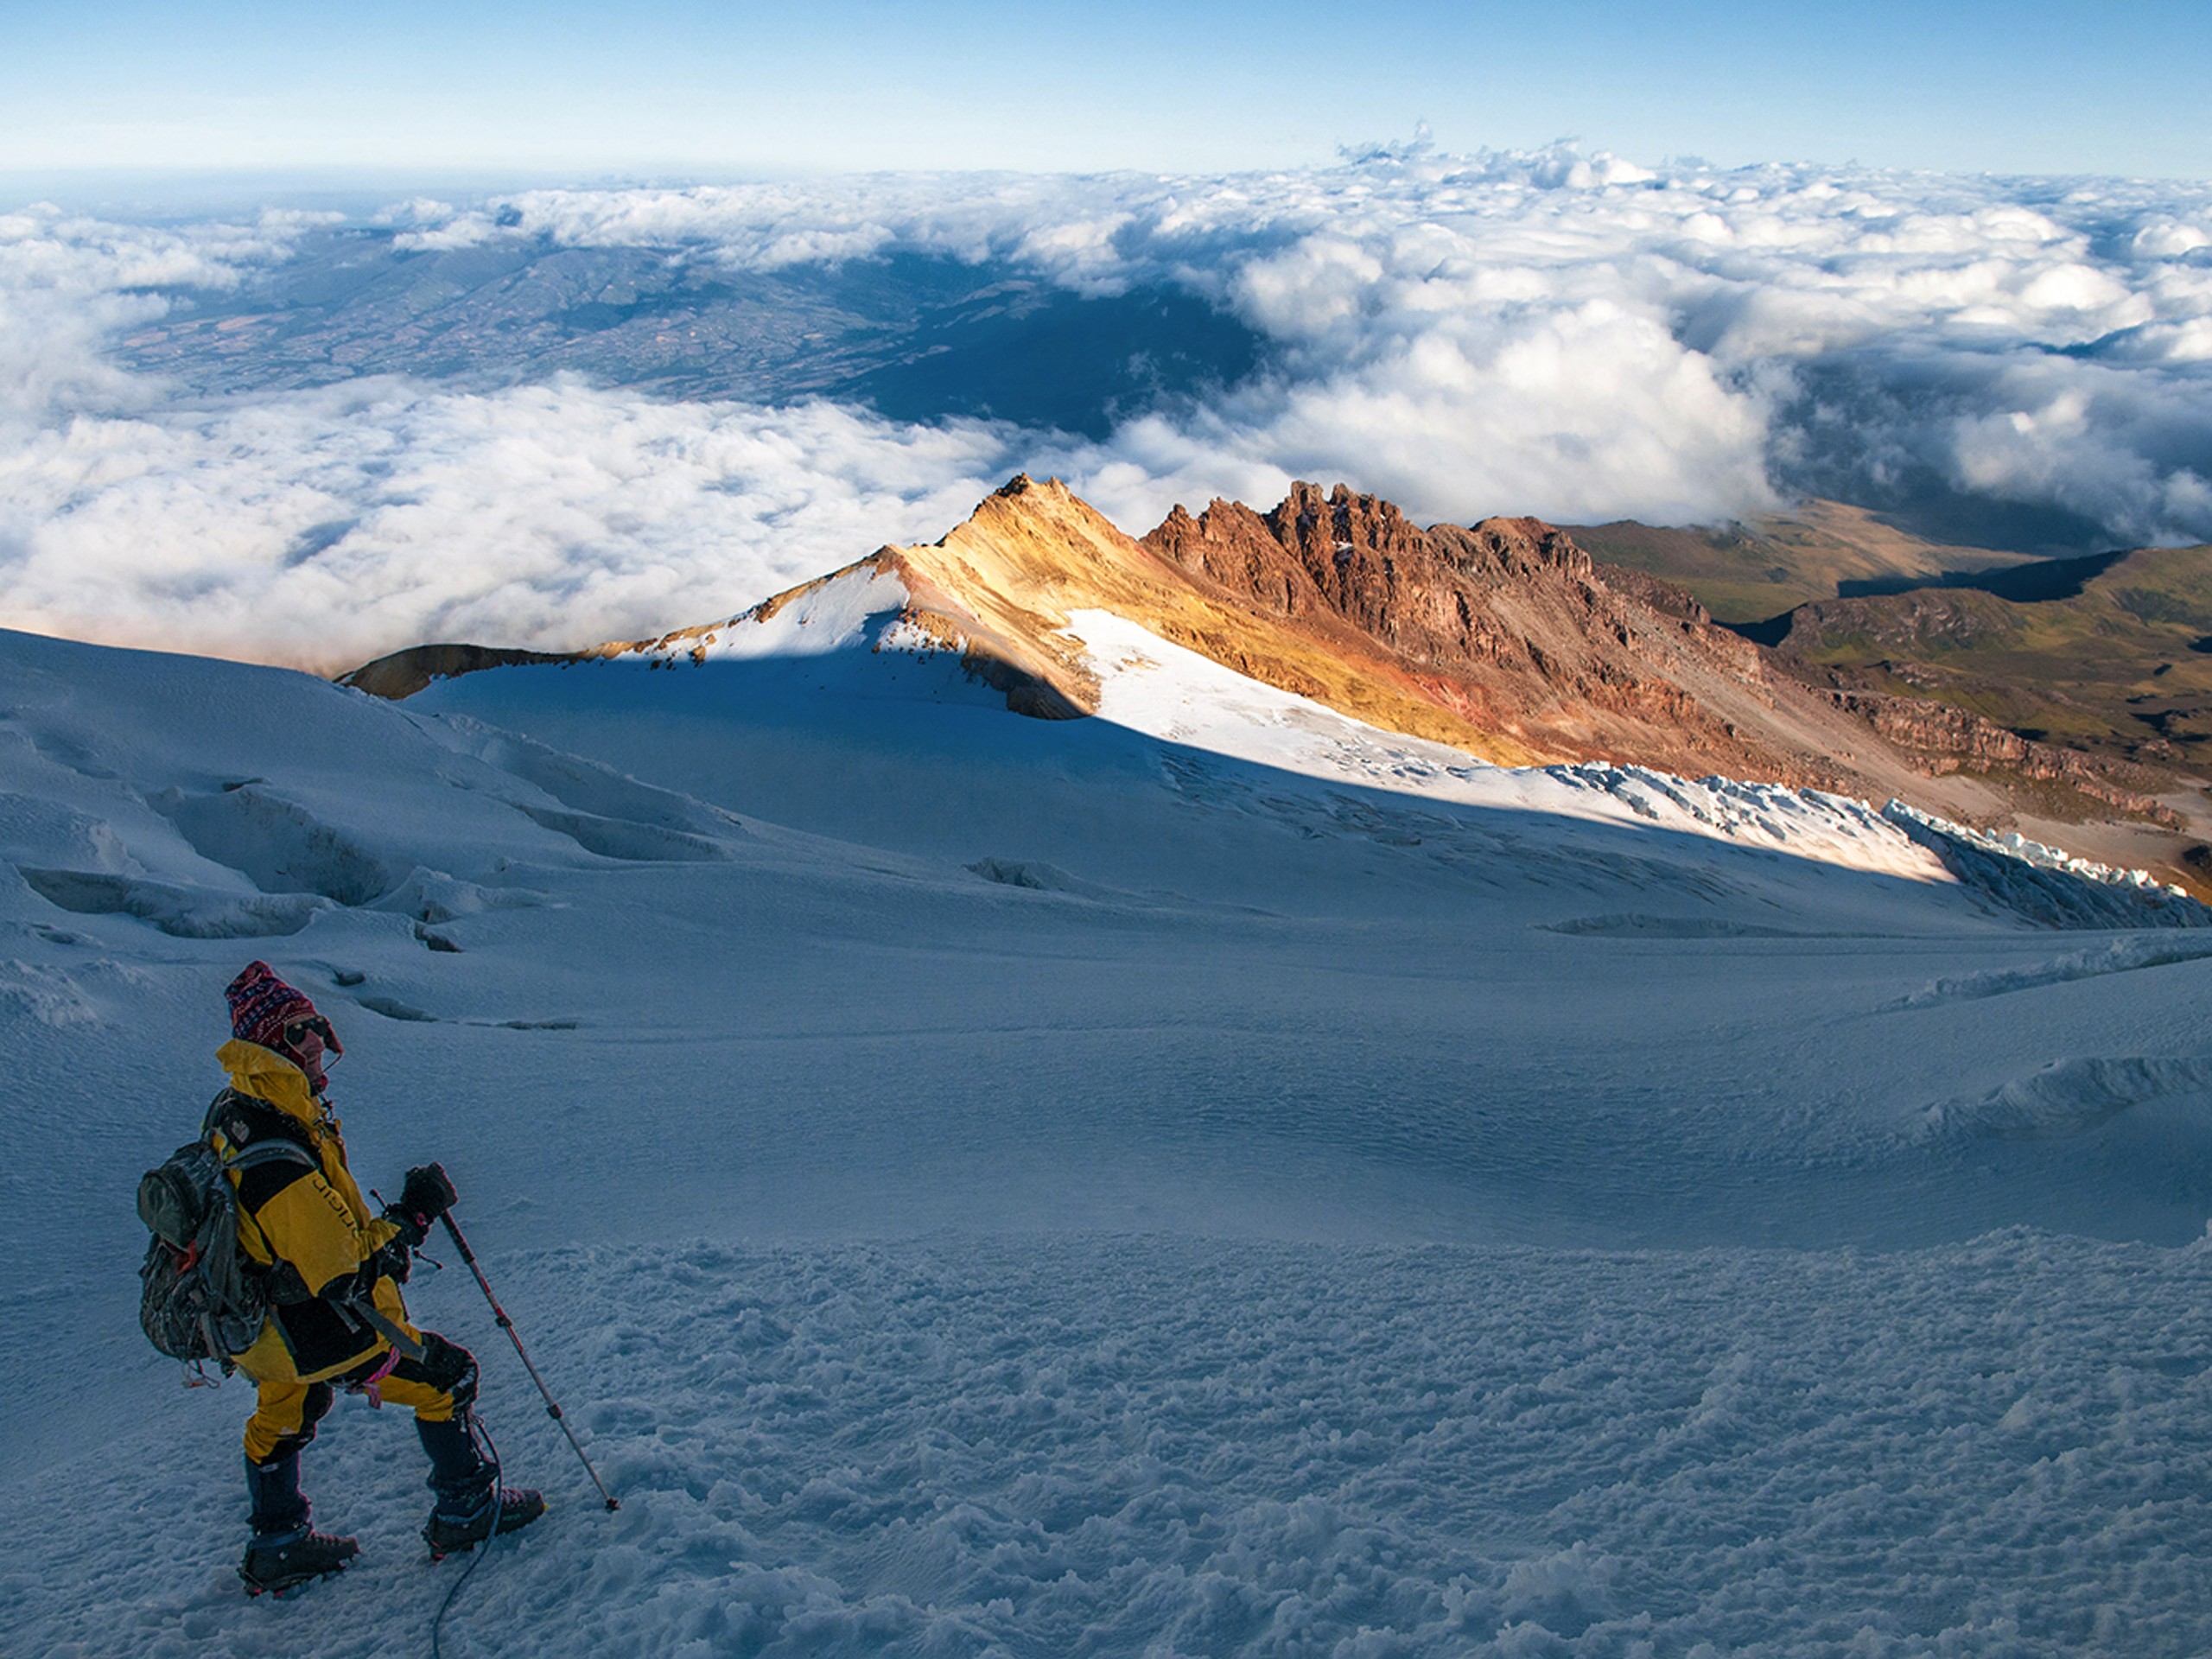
<point>263,1008</point>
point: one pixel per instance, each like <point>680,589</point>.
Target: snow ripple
<point>1131,1446</point>
<point>2126,954</point>
<point>2070,1095</point>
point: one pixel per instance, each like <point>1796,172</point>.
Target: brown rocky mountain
<point>1510,624</point>
<point>1504,639</point>
<point>1589,661</point>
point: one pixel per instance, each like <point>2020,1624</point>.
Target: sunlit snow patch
<point>825,616</point>
<point>861,632</point>
<point>1176,695</point>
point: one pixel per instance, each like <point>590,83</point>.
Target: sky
<point>1951,264</point>
<point>1551,332</point>
<point>687,88</point>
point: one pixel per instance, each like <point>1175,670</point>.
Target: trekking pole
<point>552,1406</point>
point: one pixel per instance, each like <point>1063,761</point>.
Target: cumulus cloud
<point>1579,337</point>
<point>320,530</point>
<point>1558,334</point>
<point>68,284</point>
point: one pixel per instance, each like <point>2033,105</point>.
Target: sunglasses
<point>298,1029</point>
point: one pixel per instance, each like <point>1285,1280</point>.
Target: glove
<point>395,1261</point>
<point>428,1192</point>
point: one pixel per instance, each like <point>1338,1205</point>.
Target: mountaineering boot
<point>472,1505</point>
<point>284,1551</point>
<point>273,1489</point>
<point>277,1563</point>
<point>511,1508</point>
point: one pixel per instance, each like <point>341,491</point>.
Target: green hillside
<point>1749,572</point>
<point>2122,668</point>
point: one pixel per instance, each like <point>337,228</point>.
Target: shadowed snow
<point>1226,1180</point>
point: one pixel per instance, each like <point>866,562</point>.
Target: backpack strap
<point>361,1312</point>
<point>248,1134</point>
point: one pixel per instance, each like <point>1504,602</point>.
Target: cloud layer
<point>323,529</point>
<point>1554,333</point>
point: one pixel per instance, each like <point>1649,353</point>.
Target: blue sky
<point>686,87</point>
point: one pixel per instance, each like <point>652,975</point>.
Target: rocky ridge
<point>1504,639</point>
<point>1511,620</point>
<point>1508,621</point>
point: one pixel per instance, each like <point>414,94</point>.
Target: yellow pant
<point>288,1405</point>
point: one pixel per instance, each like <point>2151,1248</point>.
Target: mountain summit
<point>1512,625</point>
<point>1503,639</point>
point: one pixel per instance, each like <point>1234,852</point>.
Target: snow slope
<point>1212,1178</point>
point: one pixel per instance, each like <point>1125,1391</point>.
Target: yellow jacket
<point>310,1226</point>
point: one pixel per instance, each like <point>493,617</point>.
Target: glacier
<point>1211,1178</point>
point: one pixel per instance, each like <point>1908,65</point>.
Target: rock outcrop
<point>405,672</point>
<point>1504,639</point>
<point>1512,623</point>
<point>1943,739</point>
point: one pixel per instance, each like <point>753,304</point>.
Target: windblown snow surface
<point>1208,1179</point>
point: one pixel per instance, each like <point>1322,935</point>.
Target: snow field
<point>990,1187</point>
<point>1118,1445</point>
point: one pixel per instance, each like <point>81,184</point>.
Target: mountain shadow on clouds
<point>917,337</point>
<point>1864,432</point>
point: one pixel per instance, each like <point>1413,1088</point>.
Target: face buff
<point>267,1011</point>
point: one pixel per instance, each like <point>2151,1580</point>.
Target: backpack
<point>200,1298</point>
